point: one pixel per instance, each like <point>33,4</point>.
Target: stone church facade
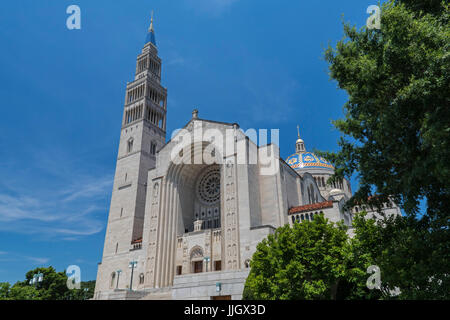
<point>186,215</point>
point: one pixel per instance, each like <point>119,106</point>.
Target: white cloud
<point>13,257</point>
<point>91,188</point>
<point>37,260</point>
<point>55,199</point>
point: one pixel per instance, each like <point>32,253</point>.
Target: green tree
<point>85,292</point>
<point>23,292</point>
<point>4,290</point>
<point>407,256</point>
<point>397,138</point>
<point>397,120</point>
<point>19,291</point>
<point>311,260</point>
<point>53,287</point>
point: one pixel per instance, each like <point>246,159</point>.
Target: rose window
<point>208,187</point>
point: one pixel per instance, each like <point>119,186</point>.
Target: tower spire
<point>151,24</point>
<point>151,33</point>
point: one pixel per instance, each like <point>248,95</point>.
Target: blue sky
<point>258,63</point>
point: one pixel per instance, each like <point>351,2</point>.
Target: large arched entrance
<point>190,204</point>
<point>198,189</point>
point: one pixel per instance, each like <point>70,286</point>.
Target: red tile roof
<point>310,207</point>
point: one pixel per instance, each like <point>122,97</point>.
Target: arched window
<point>156,190</point>
<point>196,260</point>
<point>302,217</point>
<point>307,216</point>
<point>293,219</point>
<point>247,263</point>
<point>311,194</point>
<point>153,148</point>
<point>130,145</point>
<point>113,277</point>
<point>141,278</point>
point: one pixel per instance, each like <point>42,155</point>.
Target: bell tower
<point>143,133</point>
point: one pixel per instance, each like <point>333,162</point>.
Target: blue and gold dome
<point>308,160</point>
<point>303,159</point>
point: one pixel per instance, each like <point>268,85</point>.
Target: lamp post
<point>38,277</point>
<point>132,265</point>
<point>118,275</point>
<point>85,291</point>
<point>218,287</point>
<point>206,261</point>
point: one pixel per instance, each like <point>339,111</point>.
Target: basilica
<point>185,226</point>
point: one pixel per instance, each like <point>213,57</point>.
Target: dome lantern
<point>303,160</point>
<point>299,144</point>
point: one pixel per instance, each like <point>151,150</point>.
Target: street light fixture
<point>132,265</point>
<point>206,261</point>
<point>38,277</point>
<point>85,291</point>
<point>118,275</point>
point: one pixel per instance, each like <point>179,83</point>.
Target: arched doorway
<point>196,259</point>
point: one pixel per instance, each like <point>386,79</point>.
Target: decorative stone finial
<point>195,114</point>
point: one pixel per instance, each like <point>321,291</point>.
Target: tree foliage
<point>411,258</point>
<point>311,260</point>
<point>397,138</point>
<point>317,260</point>
<point>397,117</point>
<point>53,287</point>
